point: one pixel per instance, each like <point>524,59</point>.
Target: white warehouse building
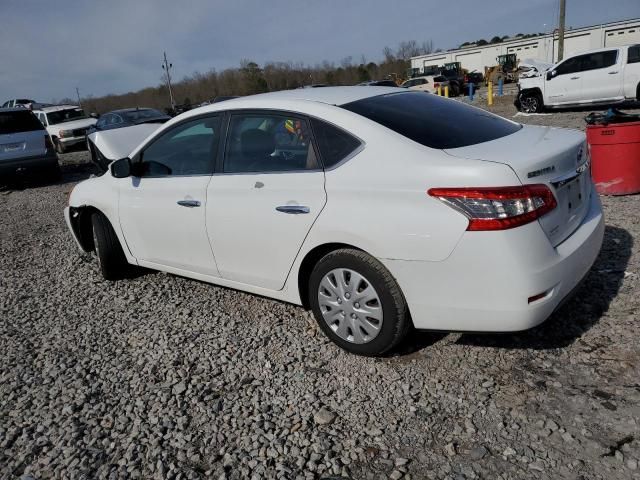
<point>543,48</point>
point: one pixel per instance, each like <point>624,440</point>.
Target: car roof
<point>56,108</point>
<point>133,109</point>
<point>327,95</point>
<point>14,109</point>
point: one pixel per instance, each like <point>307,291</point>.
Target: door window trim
<point>139,156</point>
<point>219,170</point>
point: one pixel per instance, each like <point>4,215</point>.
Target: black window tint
<point>188,149</point>
<point>334,144</point>
<point>570,65</point>
<point>19,121</point>
<point>433,121</point>
<point>594,61</point>
<point>269,143</point>
<point>634,54</point>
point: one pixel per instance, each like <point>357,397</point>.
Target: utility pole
<point>166,66</point>
<point>563,6</point>
<point>78,94</point>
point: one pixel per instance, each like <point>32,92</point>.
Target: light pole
<point>78,94</point>
<point>166,66</point>
<point>561,17</point>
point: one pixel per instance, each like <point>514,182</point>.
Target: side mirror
<point>121,168</point>
<point>551,74</point>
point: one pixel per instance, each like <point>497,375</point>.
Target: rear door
<point>264,198</point>
<point>602,76</point>
<point>21,135</point>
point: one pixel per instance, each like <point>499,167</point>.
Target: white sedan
<point>380,210</point>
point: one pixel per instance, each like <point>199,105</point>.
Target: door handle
<point>293,209</point>
<point>612,73</point>
<point>575,78</point>
<point>189,203</point>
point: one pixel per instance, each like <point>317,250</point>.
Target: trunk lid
<point>555,157</point>
<point>14,146</point>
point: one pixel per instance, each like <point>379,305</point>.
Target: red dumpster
<point>615,157</point>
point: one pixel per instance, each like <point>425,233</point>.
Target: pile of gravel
<point>165,377</point>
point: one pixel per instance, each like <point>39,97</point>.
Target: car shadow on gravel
<point>581,312</point>
<point>69,174</point>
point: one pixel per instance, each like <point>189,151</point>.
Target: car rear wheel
<point>111,259</point>
<point>357,303</point>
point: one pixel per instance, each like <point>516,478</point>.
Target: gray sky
<point>115,46</point>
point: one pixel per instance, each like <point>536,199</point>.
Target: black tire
<point>531,102</point>
<point>111,259</point>
<point>396,320</point>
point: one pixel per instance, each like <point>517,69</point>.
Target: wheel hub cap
<point>350,306</point>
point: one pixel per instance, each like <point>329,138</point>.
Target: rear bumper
<point>486,283</point>
<point>26,165</point>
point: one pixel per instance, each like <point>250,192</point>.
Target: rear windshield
<point>433,121</point>
<point>19,121</point>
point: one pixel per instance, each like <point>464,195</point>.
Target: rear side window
<point>19,121</point>
<point>597,60</point>
<point>433,121</point>
<point>334,144</point>
<point>634,54</point>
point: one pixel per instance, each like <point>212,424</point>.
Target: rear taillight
<point>48,144</point>
<point>498,208</point>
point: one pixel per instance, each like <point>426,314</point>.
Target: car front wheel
<point>357,303</point>
<point>111,259</point>
<point>531,103</point>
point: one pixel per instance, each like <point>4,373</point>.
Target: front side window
<point>188,149</point>
<point>104,121</point>
<point>269,143</point>
<point>634,54</point>
<point>571,65</point>
<point>595,61</point>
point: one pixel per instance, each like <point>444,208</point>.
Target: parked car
<point>378,83</point>
<point>67,125</point>
<point>18,102</point>
<point>605,76</point>
<point>376,208</point>
<point>118,132</point>
<point>25,146</point>
<point>429,83</point>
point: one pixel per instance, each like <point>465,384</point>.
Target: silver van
<point>25,145</point>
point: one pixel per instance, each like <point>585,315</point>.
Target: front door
<point>162,211</point>
<point>565,85</point>
<point>265,198</point>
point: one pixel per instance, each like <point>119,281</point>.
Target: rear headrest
<point>257,143</point>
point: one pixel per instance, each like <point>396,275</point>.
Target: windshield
<point>433,121</point>
<point>62,116</point>
<point>143,115</point>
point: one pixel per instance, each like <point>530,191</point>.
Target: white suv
<point>604,76</point>
<point>67,125</point>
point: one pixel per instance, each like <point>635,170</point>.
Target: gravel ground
<point>165,377</point>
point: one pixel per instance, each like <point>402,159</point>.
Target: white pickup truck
<point>604,76</point>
